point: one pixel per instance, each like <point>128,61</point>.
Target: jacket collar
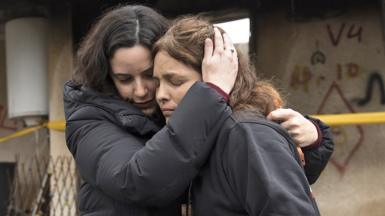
<point>123,114</point>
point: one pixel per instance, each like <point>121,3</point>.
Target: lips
<point>167,111</point>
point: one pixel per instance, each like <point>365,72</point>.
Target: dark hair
<point>184,41</point>
<point>124,26</point>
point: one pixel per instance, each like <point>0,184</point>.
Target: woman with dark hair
<point>254,168</point>
<point>129,164</point>
<point>111,114</point>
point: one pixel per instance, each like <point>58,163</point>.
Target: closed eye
<point>174,80</point>
<point>177,82</point>
<point>122,77</point>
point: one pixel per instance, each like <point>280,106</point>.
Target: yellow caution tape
<point>58,125</point>
<point>20,133</point>
<point>353,118</point>
<point>54,125</point>
<point>332,120</point>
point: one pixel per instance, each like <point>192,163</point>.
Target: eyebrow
<point>171,75</point>
<point>120,74</point>
<point>125,74</point>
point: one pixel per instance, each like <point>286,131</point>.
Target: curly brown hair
<point>185,41</point>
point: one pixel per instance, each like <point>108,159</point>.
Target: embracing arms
<point>312,135</point>
<point>263,173</point>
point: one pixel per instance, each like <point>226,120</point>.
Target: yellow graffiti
<point>300,76</point>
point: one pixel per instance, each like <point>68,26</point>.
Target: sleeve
<point>264,175</point>
<point>219,90</point>
<point>158,172</point>
<point>317,158</point>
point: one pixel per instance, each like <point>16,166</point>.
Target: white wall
<point>346,50</point>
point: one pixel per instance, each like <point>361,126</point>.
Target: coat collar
<point>122,113</point>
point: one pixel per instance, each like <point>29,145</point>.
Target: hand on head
<point>302,130</point>
<point>220,62</point>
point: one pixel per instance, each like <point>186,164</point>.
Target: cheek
<point>124,90</point>
<point>151,86</point>
<point>182,91</point>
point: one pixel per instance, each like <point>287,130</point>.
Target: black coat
<point>124,171</point>
<point>317,158</point>
<point>254,169</point>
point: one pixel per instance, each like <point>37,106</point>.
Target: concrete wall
<point>60,70</point>
<point>63,180</point>
<point>324,66</point>
<point>47,143</point>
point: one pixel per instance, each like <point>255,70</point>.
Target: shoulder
<point>250,122</point>
<point>86,119</point>
<point>252,133</point>
<point>89,112</point>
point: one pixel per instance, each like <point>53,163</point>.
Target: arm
<point>317,156</point>
<point>312,135</point>
<point>264,175</point>
<point>157,173</point>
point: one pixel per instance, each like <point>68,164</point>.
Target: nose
<point>161,94</point>
<point>141,89</point>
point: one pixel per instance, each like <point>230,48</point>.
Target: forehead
<point>136,58</point>
<point>164,63</point>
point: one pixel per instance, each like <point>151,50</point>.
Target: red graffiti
<point>352,32</point>
<point>353,69</point>
<point>350,70</point>
<point>335,39</point>
<point>342,164</point>
<point>3,125</point>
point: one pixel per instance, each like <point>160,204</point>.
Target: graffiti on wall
<point>302,77</point>
<point>318,57</point>
<point>344,31</point>
<point>4,123</point>
<point>349,70</point>
<point>374,78</point>
<point>340,62</point>
<point>346,146</point>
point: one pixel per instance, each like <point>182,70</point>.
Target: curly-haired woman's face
<point>132,74</point>
<point>175,79</point>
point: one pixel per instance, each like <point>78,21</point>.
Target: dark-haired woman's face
<point>132,73</point>
<point>175,79</point>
